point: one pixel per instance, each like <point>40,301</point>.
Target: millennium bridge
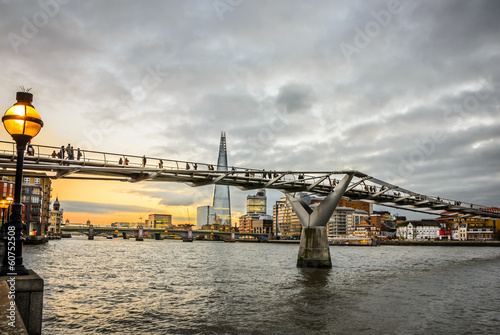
<point>333,185</point>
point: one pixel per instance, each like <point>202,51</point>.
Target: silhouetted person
<point>144,161</point>
<point>78,154</point>
<point>68,150</point>
<point>30,151</point>
<point>187,166</point>
<point>160,164</point>
<point>126,161</point>
<point>61,152</point>
<point>54,154</point>
<point>120,161</point>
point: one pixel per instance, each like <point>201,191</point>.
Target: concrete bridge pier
<point>125,236</point>
<point>91,232</point>
<point>189,237</point>
<point>314,251</point>
<point>140,234</point>
<point>158,236</point>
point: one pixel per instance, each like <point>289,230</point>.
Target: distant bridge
<point>95,165</point>
<point>154,231</point>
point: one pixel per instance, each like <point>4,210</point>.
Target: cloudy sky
<point>405,91</point>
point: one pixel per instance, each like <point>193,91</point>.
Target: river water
<point>170,287</point>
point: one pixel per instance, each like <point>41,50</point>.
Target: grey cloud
<point>294,98</point>
<point>169,77</point>
<point>99,208</point>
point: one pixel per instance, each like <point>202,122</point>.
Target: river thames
<point>170,287</point>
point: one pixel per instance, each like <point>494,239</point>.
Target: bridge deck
<point>96,165</point>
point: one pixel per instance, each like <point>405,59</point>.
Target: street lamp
<point>9,200</point>
<point>23,123</point>
<point>5,204</point>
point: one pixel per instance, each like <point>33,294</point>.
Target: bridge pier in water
<point>314,251</point>
<point>140,234</point>
<point>189,237</point>
<point>91,232</point>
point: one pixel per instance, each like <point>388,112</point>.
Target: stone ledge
<point>29,300</point>
<point>29,283</point>
<point>5,328</point>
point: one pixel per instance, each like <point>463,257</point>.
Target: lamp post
<point>3,206</point>
<point>23,123</point>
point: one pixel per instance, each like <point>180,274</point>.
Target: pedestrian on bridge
<point>30,151</point>
<point>144,161</point>
<point>68,150</point>
<point>78,154</point>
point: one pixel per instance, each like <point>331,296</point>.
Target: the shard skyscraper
<point>222,203</point>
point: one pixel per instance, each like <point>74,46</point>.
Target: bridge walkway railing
<point>363,187</point>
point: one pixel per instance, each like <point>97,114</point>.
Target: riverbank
<point>443,243</point>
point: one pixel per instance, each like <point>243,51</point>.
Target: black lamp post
<point>23,123</point>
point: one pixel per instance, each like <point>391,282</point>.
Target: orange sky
<point>132,201</point>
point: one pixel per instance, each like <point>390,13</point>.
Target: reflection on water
<point>169,287</point>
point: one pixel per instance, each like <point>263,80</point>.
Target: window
<point>26,180</point>
<point>37,181</point>
<point>35,200</point>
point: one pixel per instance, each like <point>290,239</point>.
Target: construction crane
<point>143,215</point>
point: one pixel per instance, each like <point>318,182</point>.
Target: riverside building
<point>160,220</point>
<point>256,209</point>
<point>55,218</point>
<point>419,230</point>
<point>35,197</point>
<point>342,223</point>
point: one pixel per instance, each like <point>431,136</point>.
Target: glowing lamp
<point>22,121</point>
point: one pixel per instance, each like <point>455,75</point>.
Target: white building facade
<point>419,230</point>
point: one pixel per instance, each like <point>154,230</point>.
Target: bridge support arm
<point>314,251</point>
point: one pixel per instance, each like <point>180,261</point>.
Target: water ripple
<point>169,287</point>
